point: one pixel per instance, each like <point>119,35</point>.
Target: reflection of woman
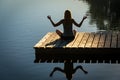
<point>68,70</point>
<point>67,26</point>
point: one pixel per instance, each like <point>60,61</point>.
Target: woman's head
<point>67,14</point>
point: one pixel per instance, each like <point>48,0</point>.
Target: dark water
<point>23,23</point>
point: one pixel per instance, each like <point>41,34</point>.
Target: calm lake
<point>24,22</point>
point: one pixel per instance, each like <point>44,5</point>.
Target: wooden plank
<point>102,40</point>
<point>69,45</point>
<point>108,40</point>
<point>114,40</point>
<point>84,40</point>
<point>47,41</point>
<point>118,40</point>
<point>78,40</point>
<point>53,41</point>
<point>43,40</point>
<point>90,40</point>
<point>96,40</point>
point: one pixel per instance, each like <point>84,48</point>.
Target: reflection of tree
<point>105,13</point>
<point>68,69</point>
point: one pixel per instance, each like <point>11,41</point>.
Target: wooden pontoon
<point>88,47</point>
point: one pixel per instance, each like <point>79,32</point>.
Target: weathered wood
<point>108,40</point>
<point>43,40</point>
<point>84,40</point>
<point>78,40</point>
<point>52,40</point>
<point>90,40</point>
<point>118,40</point>
<point>102,40</point>
<point>114,40</point>
<point>96,40</point>
<point>99,47</point>
<point>70,43</point>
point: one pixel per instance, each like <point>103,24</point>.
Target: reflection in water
<point>106,14</point>
<point>68,69</point>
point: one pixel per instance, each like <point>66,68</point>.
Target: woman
<point>68,33</point>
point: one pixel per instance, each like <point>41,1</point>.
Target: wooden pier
<point>87,47</point>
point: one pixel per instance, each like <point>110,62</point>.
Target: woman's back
<point>67,27</point>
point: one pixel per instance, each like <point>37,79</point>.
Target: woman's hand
<point>49,17</point>
<point>84,17</point>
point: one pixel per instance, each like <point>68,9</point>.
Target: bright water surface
<point>23,23</point>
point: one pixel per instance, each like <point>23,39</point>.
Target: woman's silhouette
<point>68,33</point>
<point>68,70</point>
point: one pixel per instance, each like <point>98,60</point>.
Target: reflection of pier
<point>98,47</point>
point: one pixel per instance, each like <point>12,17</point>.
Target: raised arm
<point>54,24</point>
<point>79,25</point>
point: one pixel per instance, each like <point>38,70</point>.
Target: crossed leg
<point>59,32</point>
